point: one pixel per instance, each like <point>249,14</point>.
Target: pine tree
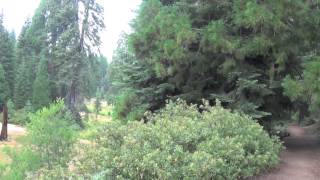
<point>134,85</point>
<point>304,90</point>
<point>23,85</point>
<point>27,61</point>
<point>236,51</point>
<point>4,96</point>
<point>6,74</point>
<point>7,60</point>
<point>40,96</point>
<point>71,46</point>
<point>4,87</point>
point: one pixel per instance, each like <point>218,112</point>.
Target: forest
<point>200,89</point>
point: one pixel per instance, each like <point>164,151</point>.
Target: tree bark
<point>4,130</point>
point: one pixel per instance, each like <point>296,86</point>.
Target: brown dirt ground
<point>301,158</point>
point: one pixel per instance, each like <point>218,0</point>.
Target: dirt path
<point>14,132</point>
<point>300,160</point>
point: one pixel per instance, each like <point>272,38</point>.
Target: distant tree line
<point>55,55</point>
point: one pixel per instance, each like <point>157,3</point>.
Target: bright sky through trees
<point>118,14</point>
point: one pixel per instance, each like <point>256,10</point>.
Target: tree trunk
<point>4,130</point>
<point>72,101</point>
<point>73,96</point>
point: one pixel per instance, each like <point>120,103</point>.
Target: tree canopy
<point>237,51</point>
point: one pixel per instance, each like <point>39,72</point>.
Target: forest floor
<point>15,136</point>
<point>301,158</point>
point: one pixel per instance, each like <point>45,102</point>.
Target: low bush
<point>23,162</point>
<point>181,142</point>
<point>52,134</point>
<point>20,116</point>
<point>128,107</point>
<point>48,145</point>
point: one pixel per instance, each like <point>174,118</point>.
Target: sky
<point>118,15</point>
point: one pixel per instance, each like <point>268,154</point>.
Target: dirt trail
<point>14,132</point>
<point>300,160</point>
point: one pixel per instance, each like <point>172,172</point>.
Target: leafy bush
<point>52,135</point>
<point>20,116</point>
<point>23,161</point>
<point>128,107</point>
<point>48,147</point>
<point>180,142</point>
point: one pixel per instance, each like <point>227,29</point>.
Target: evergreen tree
<point>4,87</point>
<point>7,44</point>
<point>304,90</point>
<point>26,67</point>
<point>236,51</point>
<point>40,96</point>
<point>4,96</point>
<point>134,85</point>
<point>71,46</point>
<point>6,74</point>
<point>23,85</point>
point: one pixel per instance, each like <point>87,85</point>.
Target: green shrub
<point>23,162</point>
<point>128,107</point>
<point>20,117</point>
<point>179,142</point>
<point>48,145</point>
<point>52,135</point>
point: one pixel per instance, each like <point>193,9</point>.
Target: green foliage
<point>11,109</point>
<point>20,117</point>
<point>292,88</point>
<point>179,142</point>
<point>52,134</point>
<point>127,107</point>
<point>134,87</point>
<point>40,96</point>
<point>97,103</point>
<point>23,85</point>
<point>48,145</point>
<point>23,162</point>
<point>64,65</point>
<point>4,87</point>
<point>7,56</point>
<point>237,51</point>
<point>305,89</point>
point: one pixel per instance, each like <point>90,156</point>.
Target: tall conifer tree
<point>40,96</point>
<point>4,96</point>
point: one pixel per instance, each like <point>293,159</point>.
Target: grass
<point>94,121</point>
<point>106,108</point>
<point>15,140</point>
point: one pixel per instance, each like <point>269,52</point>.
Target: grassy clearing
<point>106,108</point>
<point>95,120</point>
